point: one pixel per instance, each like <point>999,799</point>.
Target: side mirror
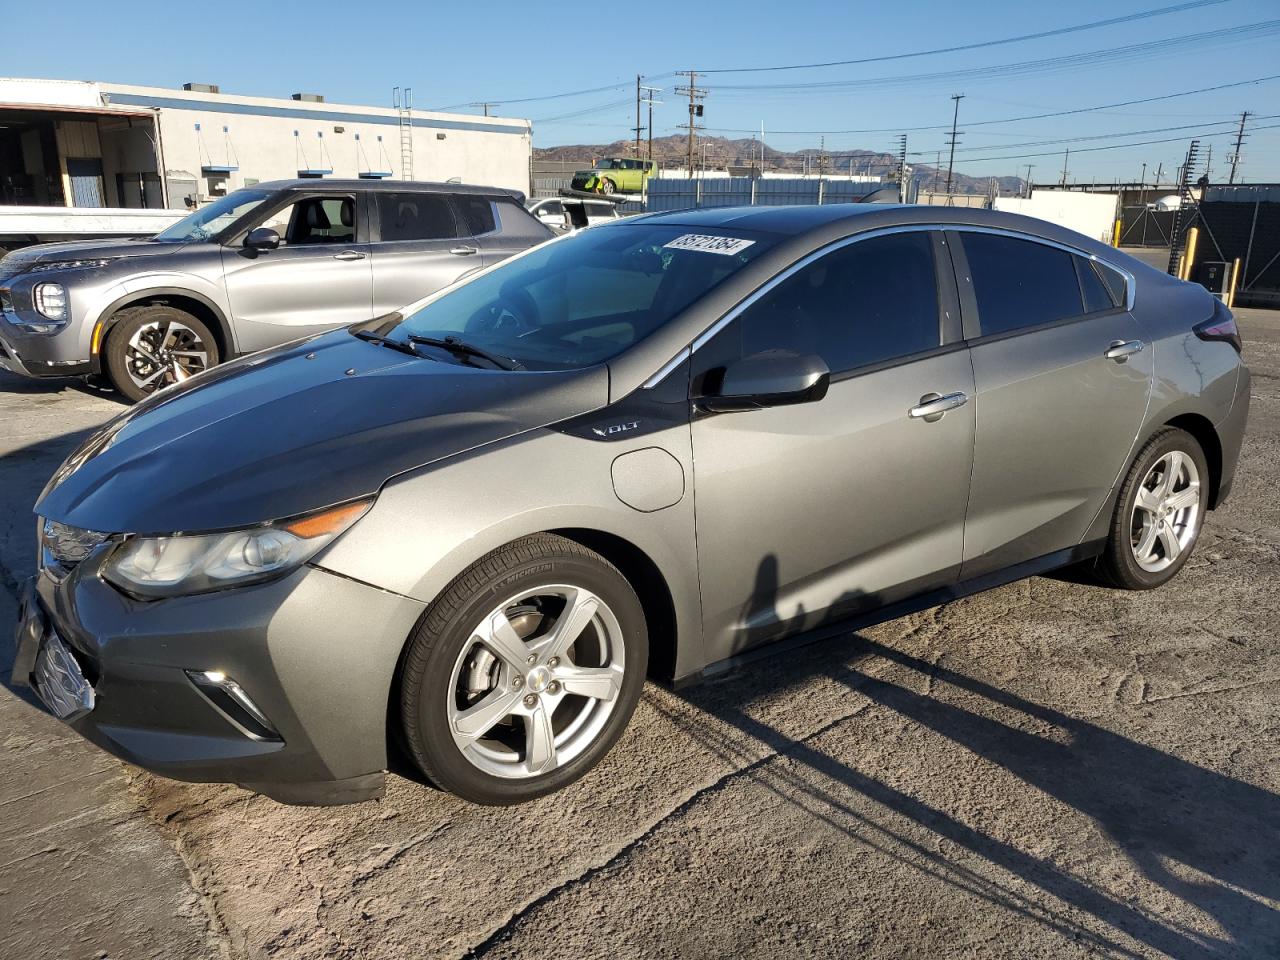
<point>771,379</point>
<point>262,238</point>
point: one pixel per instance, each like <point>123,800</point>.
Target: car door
<point>812,512</point>
<point>420,248</point>
<point>1062,378</point>
<point>499,225</point>
<point>318,278</point>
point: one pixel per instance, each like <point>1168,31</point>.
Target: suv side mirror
<point>262,238</point>
<point>770,379</point>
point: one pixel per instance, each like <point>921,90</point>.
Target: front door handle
<point>349,255</point>
<point>464,251</point>
<point>932,406</point>
<point>1122,350</point>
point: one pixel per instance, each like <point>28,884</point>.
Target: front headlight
<point>50,300</point>
<point>185,564</point>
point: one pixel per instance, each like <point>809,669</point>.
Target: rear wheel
<point>1159,512</point>
<point>154,346</point>
<point>524,672</point>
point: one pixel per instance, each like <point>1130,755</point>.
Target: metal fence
<point>674,194</point>
<point>1242,223</point>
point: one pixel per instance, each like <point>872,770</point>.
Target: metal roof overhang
<point>34,113</point>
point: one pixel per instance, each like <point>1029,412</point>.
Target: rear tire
<point>154,346</point>
<point>1159,513</point>
<point>524,672</point>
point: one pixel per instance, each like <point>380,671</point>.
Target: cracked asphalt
<point>1050,769</point>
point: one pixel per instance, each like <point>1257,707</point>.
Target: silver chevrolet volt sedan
<point>465,533</point>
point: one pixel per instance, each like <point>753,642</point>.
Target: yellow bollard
<point>1193,237</point>
<point>1115,234</point>
<point>1235,278</point>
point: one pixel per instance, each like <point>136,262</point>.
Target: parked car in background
<point>615,175</point>
<point>466,530</point>
<point>565,214</point>
<point>256,268</point>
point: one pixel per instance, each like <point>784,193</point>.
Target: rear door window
<point>415,216</point>
<point>1020,283</point>
<point>477,214</point>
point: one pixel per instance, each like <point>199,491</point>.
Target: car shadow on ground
<point>1157,809</point>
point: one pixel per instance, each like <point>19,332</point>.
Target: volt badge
<point>615,429</point>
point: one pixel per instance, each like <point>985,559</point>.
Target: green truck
<point>615,175</point>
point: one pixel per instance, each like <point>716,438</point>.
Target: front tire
<point>608,187</point>
<point>1159,512</point>
<point>154,346</point>
<point>524,672</point>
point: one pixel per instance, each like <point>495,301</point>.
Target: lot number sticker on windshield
<point>727,246</point>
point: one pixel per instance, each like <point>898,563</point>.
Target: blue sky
<point>462,53</point>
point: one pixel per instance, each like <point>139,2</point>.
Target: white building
<point>89,144</point>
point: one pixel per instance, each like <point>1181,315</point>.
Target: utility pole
<point>1208,161</point>
<point>955,117</point>
<point>650,99</point>
<point>695,111</point>
<point>637,126</point>
<point>1142,186</point>
<point>904,192</point>
<point>1159,174</point>
<point>1235,157</point>
<point>1029,166</point>
<point>1065,157</point>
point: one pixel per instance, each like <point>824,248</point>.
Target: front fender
<point>429,526</point>
<point>159,284</point>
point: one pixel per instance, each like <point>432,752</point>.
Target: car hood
<point>84,249</point>
<point>294,429</point>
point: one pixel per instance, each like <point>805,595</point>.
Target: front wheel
<point>524,672</point>
<point>1159,512</point>
<point>608,187</point>
<point>154,346</point>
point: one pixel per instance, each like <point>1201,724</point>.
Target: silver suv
<point>257,268</point>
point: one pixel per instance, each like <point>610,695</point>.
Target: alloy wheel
<point>164,352</point>
<point>1166,512</point>
<point>535,684</point>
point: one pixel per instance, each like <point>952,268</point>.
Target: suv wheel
<point>1159,512</point>
<point>608,187</point>
<point>524,672</point>
<point>154,346</point>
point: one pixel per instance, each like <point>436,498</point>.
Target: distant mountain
<point>673,152</point>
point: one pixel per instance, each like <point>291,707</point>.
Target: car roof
<point>397,186</point>
<point>829,220</point>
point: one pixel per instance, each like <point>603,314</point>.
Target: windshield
<point>211,220</point>
<point>581,300</point>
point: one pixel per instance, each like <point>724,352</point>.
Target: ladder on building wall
<point>404,108</point>
<point>1181,219</point>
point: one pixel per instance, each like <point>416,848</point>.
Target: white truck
<point>22,226</point>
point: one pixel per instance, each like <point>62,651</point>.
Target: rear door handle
<point>1122,350</point>
<point>464,251</point>
<point>932,406</point>
<point>349,255</point>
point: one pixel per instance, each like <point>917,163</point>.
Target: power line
<point>1108,136</point>
<point>1034,116</point>
<point>1128,52</point>
<point>1091,25</point>
<point>1112,146</point>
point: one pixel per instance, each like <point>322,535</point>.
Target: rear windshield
<point>583,299</point>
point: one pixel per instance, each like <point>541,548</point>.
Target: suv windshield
<point>581,300</point>
<point>209,221</point>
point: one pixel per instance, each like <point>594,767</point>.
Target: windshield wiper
<point>460,348</point>
<point>384,342</point>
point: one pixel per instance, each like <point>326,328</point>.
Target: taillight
<point>1221,326</point>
